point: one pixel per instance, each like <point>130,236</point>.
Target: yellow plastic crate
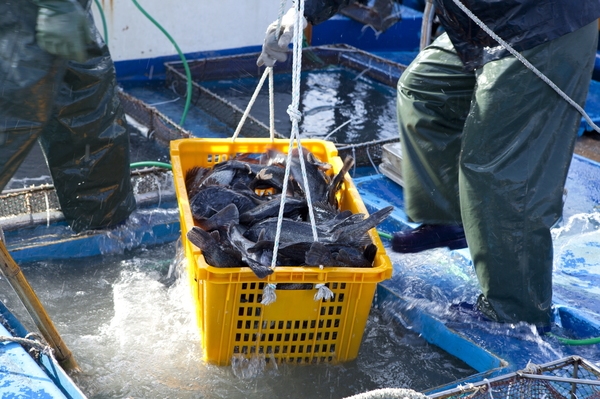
<point>295,328</point>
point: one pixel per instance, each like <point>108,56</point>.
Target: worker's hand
<point>62,28</point>
<point>276,43</point>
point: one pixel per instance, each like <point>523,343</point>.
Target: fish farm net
<point>159,126</point>
<point>39,204</point>
<point>569,378</point>
<point>365,153</point>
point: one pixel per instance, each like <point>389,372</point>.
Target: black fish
<point>194,178</point>
<point>236,227</point>
<point>225,173</point>
<point>211,199</point>
<point>293,208</point>
<point>214,252</point>
<point>254,260</point>
<point>221,220</point>
<point>270,176</point>
<point>355,233</point>
<point>293,254</point>
<point>317,179</point>
<point>291,231</point>
<point>340,255</point>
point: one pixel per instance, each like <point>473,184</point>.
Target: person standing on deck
<point>486,143</point>
<point>58,85</point>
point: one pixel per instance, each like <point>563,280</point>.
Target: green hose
<point>188,74</point>
<point>103,21</point>
<point>567,341</point>
<point>384,235</point>
<point>151,163</point>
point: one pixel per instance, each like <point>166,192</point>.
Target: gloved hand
<point>62,28</point>
<point>275,46</point>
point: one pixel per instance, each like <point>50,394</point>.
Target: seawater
<point>129,321</point>
<point>336,103</point>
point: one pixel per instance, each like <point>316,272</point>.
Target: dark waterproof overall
<point>488,144</point>
<point>73,109</point>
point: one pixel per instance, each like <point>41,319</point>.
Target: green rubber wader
<point>491,149</point>
<point>74,110</point>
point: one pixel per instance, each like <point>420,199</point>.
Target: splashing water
<point>129,320</point>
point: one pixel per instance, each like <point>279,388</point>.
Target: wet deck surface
<point>588,145</point>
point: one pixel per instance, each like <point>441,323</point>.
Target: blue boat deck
<point>21,376</point>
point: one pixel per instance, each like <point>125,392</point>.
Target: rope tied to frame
<point>32,342</point>
<point>323,292</point>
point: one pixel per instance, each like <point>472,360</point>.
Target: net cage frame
<point>34,205</point>
<point>569,378</point>
<point>314,58</point>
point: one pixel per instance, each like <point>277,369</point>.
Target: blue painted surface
<point>149,69</point>
<point>402,36</point>
<point>22,377</point>
<point>592,107</point>
<point>57,241</point>
<point>596,73</point>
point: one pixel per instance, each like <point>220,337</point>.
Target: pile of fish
<point>235,206</point>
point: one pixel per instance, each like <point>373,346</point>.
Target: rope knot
<point>294,113</point>
<point>269,295</point>
<point>323,292</point>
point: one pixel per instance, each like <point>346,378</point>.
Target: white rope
<point>427,24</point>
<point>32,341</point>
<point>336,129</point>
<point>489,387</point>
<point>527,64</point>
<point>251,103</point>
<point>280,17</point>
<point>271,105</point>
<point>323,292</point>
<point>295,117</point>
<point>389,393</point>
<point>269,295</point>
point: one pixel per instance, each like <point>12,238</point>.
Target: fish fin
<point>261,235</point>
<point>193,179</point>
<point>355,232</point>
<point>319,255</point>
<point>336,182</point>
<point>261,271</point>
<point>227,216</point>
<point>261,245</point>
<point>200,238</point>
<point>326,206</point>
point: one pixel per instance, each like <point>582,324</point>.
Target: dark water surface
<point>335,103</point>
